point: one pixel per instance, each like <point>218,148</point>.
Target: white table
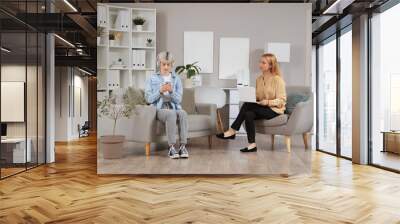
<point>234,107</point>
<point>18,149</point>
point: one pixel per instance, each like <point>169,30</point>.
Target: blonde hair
<point>273,64</point>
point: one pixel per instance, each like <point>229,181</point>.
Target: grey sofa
<point>201,122</point>
<point>299,122</point>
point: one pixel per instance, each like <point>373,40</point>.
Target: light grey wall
<point>261,22</point>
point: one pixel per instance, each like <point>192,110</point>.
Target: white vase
<point>112,42</point>
<point>98,40</point>
<point>196,80</point>
<point>188,83</point>
<point>139,27</point>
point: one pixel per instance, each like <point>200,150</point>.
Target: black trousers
<point>250,112</point>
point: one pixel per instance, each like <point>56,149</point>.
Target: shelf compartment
<point>148,15</point>
<point>119,19</point>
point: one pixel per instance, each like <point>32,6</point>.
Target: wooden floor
<point>223,157</point>
<point>70,191</point>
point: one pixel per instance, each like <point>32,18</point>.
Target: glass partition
<point>327,96</point>
<point>22,77</point>
<point>346,94</point>
<point>385,89</point>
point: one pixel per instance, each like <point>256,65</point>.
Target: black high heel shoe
<point>221,136</point>
<point>249,150</point>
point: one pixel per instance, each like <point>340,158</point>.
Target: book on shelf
<point>139,59</point>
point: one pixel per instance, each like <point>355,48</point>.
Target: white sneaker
<point>172,153</point>
<point>183,153</point>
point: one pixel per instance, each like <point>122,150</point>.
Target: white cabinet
<point>102,16</point>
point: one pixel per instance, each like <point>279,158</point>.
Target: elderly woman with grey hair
<point>164,91</point>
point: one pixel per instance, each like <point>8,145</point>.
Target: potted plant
<point>149,42</point>
<point>190,70</point>
<point>111,37</point>
<point>112,108</point>
<point>139,21</point>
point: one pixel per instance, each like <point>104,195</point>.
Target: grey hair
<point>165,56</point>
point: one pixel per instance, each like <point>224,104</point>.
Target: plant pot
<point>149,44</point>
<point>113,146</point>
<point>188,83</point>
<point>139,27</point>
<point>98,40</point>
<point>197,80</point>
<point>112,42</point>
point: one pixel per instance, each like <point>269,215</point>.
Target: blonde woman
<point>271,101</point>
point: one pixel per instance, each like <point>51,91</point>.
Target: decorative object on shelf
<point>149,42</point>
<point>118,38</point>
<point>116,106</point>
<point>112,39</point>
<point>119,62</point>
<point>139,21</point>
<point>99,34</point>
<point>189,70</point>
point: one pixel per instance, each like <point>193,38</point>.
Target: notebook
<point>247,94</point>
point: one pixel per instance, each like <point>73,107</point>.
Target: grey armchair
<point>201,122</point>
<point>300,121</point>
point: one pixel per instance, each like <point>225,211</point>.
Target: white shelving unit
<point>127,60</point>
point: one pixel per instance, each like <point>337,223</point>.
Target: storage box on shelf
<point>129,58</point>
<point>102,20</point>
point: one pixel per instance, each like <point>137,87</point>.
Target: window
<point>327,96</point>
<point>346,93</point>
<point>385,86</point>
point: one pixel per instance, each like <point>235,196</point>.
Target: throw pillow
<point>188,103</point>
<point>293,100</point>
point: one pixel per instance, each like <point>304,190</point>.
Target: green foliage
<point>115,108</point>
<point>190,69</point>
<point>139,21</point>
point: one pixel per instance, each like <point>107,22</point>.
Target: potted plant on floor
<point>139,21</point>
<point>190,71</point>
<point>114,107</point>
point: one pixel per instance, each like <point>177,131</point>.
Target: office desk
<point>391,141</point>
<point>13,150</point>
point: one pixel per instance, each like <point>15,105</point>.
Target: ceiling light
<point>338,6</point>
<point>326,11</point>
<point>5,50</point>
<point>64,40</point>
<point>86,72</point>
<point>70,5</point>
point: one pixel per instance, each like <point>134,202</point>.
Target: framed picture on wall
<point>199,47</point>
<point>234,56</point>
